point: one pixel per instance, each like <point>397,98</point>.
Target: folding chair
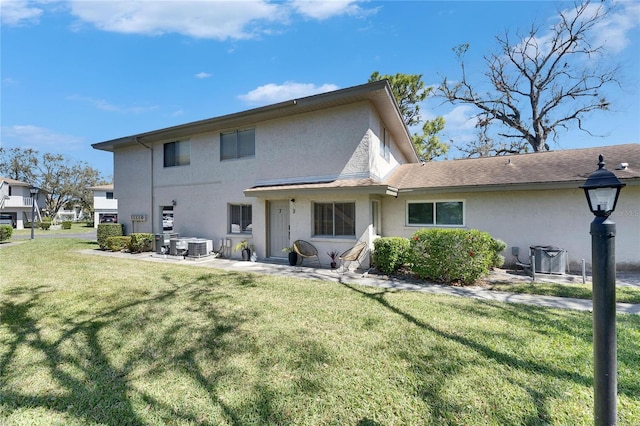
<point>352,255</point>
<point>306,250</point>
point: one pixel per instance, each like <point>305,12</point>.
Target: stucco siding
<point>558,217</point>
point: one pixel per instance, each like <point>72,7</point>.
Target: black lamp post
<point>34,194</point>
<point>602,189</point>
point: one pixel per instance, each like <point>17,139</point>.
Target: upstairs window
<point>442,213</point>
<point>238,144</point>
<point>334,219</point>
<point>177,153</point>
<point>109,195</point>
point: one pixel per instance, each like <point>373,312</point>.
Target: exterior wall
<point>286,150</point>
<point>380,165</point>
<point>132,186</point>
<point>558,217</point>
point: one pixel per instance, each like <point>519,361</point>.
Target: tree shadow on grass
<point>442,362</point>
<point>92,366</point>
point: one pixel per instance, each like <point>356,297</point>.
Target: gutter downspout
<point>137,139</point>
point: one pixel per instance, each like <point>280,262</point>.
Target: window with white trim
<point>238,144</point>
<point>240,220</point>
<point>177,153</point>
<point>435,213</point>
<point>334,219</point>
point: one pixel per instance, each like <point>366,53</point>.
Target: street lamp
<point>34,194</point>
<point>602,189</point>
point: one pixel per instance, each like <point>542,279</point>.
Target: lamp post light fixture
<point>602,189</point>
<point>34,194</point>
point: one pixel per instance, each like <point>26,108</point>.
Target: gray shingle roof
<point>552,167</point>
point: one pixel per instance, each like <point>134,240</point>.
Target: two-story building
<point>105,205</point>
<point>340,167</point>
<point>17,203</point>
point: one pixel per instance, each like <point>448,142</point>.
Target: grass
<point>76,228</point>
<point>90,340</point>
<point>624,294</point>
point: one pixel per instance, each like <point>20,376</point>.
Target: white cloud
<point>199,19</point>
<point>209,19</point>
<point>202,75</point>
<point>18,12</point>
<point>103,105</point>
<point>613,32</point>
<point>40,138</point>
<point>326,9</point>
<point>271,93</point>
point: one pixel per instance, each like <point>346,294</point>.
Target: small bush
<point>66,224</point>
<point>45,225</point>
<point>498,246</point>
<point>453,255</point>
<point>6,231</point>
<point>141,242</point>
<point>390,253</point>
<point>106,230</point>
<point>118,243</point>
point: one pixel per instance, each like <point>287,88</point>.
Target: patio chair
<point>306,250</point>
<point>352,255</point>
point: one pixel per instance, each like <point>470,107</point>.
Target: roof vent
<point>622,166</point>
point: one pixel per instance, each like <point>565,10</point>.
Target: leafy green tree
<point>539,83</point>
<point>63,183</point>
<point>409,90</point>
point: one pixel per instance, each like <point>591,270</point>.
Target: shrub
<point>452,255</point>
<point>106,230</point>
<point>141,242</point>
<point>390,253</point>
<point>118,243</point>
<point>6,231</point>
<point>498,246</point>
<point>45,225</point>
<point>66,224</point>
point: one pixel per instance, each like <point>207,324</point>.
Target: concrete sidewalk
<point>371,280</point>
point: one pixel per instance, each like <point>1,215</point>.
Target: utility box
<point>162,242</point>
<point>549,259</point>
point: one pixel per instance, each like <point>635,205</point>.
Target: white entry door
<point>278,227</point>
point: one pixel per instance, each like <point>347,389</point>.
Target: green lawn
<point>92,340</point>
<point>76,228</point>
<point>624,294</point>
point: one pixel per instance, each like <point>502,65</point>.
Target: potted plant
<point>293,256</point>
<point>246,250</point>
<point>333,255</point>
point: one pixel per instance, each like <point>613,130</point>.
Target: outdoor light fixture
<point>602,189</point>
<point>34,196</point>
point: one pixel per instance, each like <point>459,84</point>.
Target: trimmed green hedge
<point>66,224</point>
<point>454,255</point>
<point>106,230</point>
<point>118,243</point>
<point>6,231</point>
<point>390,253</point>
<point>45,225</point>
<point>141,242</point>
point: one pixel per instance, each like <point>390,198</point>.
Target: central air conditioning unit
<point>177,246</point>
<point>200,247</point>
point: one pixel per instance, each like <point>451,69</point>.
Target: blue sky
<point>80,72</point>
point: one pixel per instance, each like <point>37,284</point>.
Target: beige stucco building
<point>339,167</point>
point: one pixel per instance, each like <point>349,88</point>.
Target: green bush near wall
<point>390,253</point>
<point>118,243</point>
<point>106,230</point>
<point>141,242</point>
<point>6,231</point>
<point>454,255</point>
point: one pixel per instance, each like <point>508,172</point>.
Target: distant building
<point>105,205</point>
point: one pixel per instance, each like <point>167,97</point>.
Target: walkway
<point>371,280</point>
